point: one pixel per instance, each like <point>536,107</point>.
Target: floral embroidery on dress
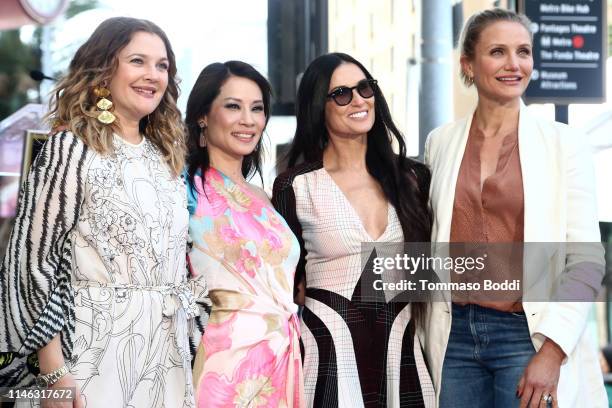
<point>132,302</point>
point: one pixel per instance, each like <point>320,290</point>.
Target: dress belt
<point>260,304</point>
<point>175,296</point>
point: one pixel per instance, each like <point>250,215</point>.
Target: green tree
<point>78,6</point>
<point>16,61</point>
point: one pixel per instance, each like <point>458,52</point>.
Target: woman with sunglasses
<point>350,187</point>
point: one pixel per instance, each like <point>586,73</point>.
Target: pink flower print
<point>217,336</point>
<point>297,367</point>
<point>248,226</point>
<point>248,263</point>
<point>210,203</point>
<point>236,198</point>
<point>229,235</point>
<point>274,240</point>
<point>220,197</point>
<point>257,381</point>
<point>275,222</point>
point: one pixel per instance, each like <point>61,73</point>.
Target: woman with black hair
<point>249,354</point>
<point>351,187</point>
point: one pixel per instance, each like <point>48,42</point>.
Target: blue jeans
<point>486,356</point>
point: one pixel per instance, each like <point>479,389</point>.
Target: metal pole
<point>436,92</point>
<point>562,113</point>
<point>307,33</point>
<point>46,63</point>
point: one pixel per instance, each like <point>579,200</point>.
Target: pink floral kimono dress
<point>249,354</point>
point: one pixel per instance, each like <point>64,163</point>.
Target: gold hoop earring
<point>104,105</point>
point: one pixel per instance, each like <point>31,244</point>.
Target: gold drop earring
<point>105,116</point>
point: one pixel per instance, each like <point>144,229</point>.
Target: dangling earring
<point>202,133</point>
<point>105,116</point>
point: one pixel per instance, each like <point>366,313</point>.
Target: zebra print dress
<point>97,255</point>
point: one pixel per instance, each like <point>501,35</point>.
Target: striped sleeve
<point>35,276</point>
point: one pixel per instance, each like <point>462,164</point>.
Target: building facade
<point>385,35</point>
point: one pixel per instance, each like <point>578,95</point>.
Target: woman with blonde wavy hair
<point>94,286</point>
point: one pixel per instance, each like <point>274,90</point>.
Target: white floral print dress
<point>124,318</point>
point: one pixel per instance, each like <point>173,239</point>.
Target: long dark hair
<point>405,182</point>
<point>206,89</point>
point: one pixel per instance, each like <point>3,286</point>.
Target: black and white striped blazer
<point>35,276</point>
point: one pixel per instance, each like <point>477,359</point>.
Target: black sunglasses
<point>343,95</point>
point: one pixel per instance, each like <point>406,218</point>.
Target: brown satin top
<point>494,214</point>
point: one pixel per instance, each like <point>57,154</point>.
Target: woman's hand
<point>541,376</point>
<point>50,358</point>
<point>66,381</point>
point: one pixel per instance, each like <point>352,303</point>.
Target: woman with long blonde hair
<point>95,293</point>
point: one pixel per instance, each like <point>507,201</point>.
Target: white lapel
<point>445,172</point>
<point>537,178</point>
<point>448,170</point>
<point>526,135</point>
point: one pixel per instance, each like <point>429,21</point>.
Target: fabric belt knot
<point>179,296</point>
<point>175,296</point>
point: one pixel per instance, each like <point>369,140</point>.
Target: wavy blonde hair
<point>73,105</point>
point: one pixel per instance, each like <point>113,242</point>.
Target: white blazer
<point>560,206</point>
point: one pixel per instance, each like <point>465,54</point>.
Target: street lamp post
<point>436,92</point>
